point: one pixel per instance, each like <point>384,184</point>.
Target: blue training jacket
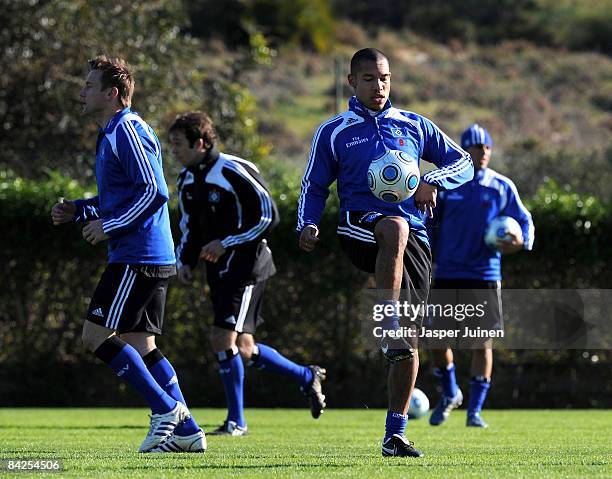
<point>132,193</point>
<point>344,146</point>
<point>463,215</point>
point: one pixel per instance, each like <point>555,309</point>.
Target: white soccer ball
<point>394,176</point>
<point>499,227</point>
<point>419,404</point>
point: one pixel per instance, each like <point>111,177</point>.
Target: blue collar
<point>480,174</point>
<point>356,106</point>
<point>112,123</point>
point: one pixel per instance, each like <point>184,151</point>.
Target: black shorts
<point>130,298</point>
<point>236,306</point>
<point>465,303</point>
<point>246,264</point>
<point>356,234</point>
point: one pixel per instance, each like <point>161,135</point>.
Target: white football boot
<point>193,443</point>
<point>163,425</point>
<point>229,428</point>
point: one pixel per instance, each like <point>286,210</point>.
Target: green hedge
<point>572,247</point>
<point>50,273</point>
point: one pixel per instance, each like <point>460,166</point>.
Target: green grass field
<point>342,443</point>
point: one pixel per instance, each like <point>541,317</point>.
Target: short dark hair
<point>115,73</point>
<point>366,55</point>
<point>195,125</point>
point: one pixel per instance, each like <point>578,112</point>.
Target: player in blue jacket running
<point>468,271</point>
<point>127,308</point>
<point>389,240</point>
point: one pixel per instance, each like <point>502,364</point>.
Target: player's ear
<point>113,93</point>
<point>199,145</point>
<point>202,144</point>
<point>352,80</point>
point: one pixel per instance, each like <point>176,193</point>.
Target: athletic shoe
<point>163,425</point>
<point>229,428</point>
<point>316,398</point>
<point>444,408</point>
<point>193,443</point>
<point>475,420</point>
<point>398,446</point>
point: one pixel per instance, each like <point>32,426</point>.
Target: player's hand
<point>425,198</point>
<point>63,212</point>
<point>309,237</point>
<point>212,251</point>
<point>94,233</point>
<point>512,245</point>
<point>185,275</point>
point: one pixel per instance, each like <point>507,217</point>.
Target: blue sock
<point>231,370</point>
<point>127,363</point>
<point>265,357</point>
<point>448,380</point>
<point>479,387</point>
<point>163,372</point>
<point>396,424</point>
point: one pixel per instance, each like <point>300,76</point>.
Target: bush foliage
<point>550,111</point>
<point>310,307</point>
